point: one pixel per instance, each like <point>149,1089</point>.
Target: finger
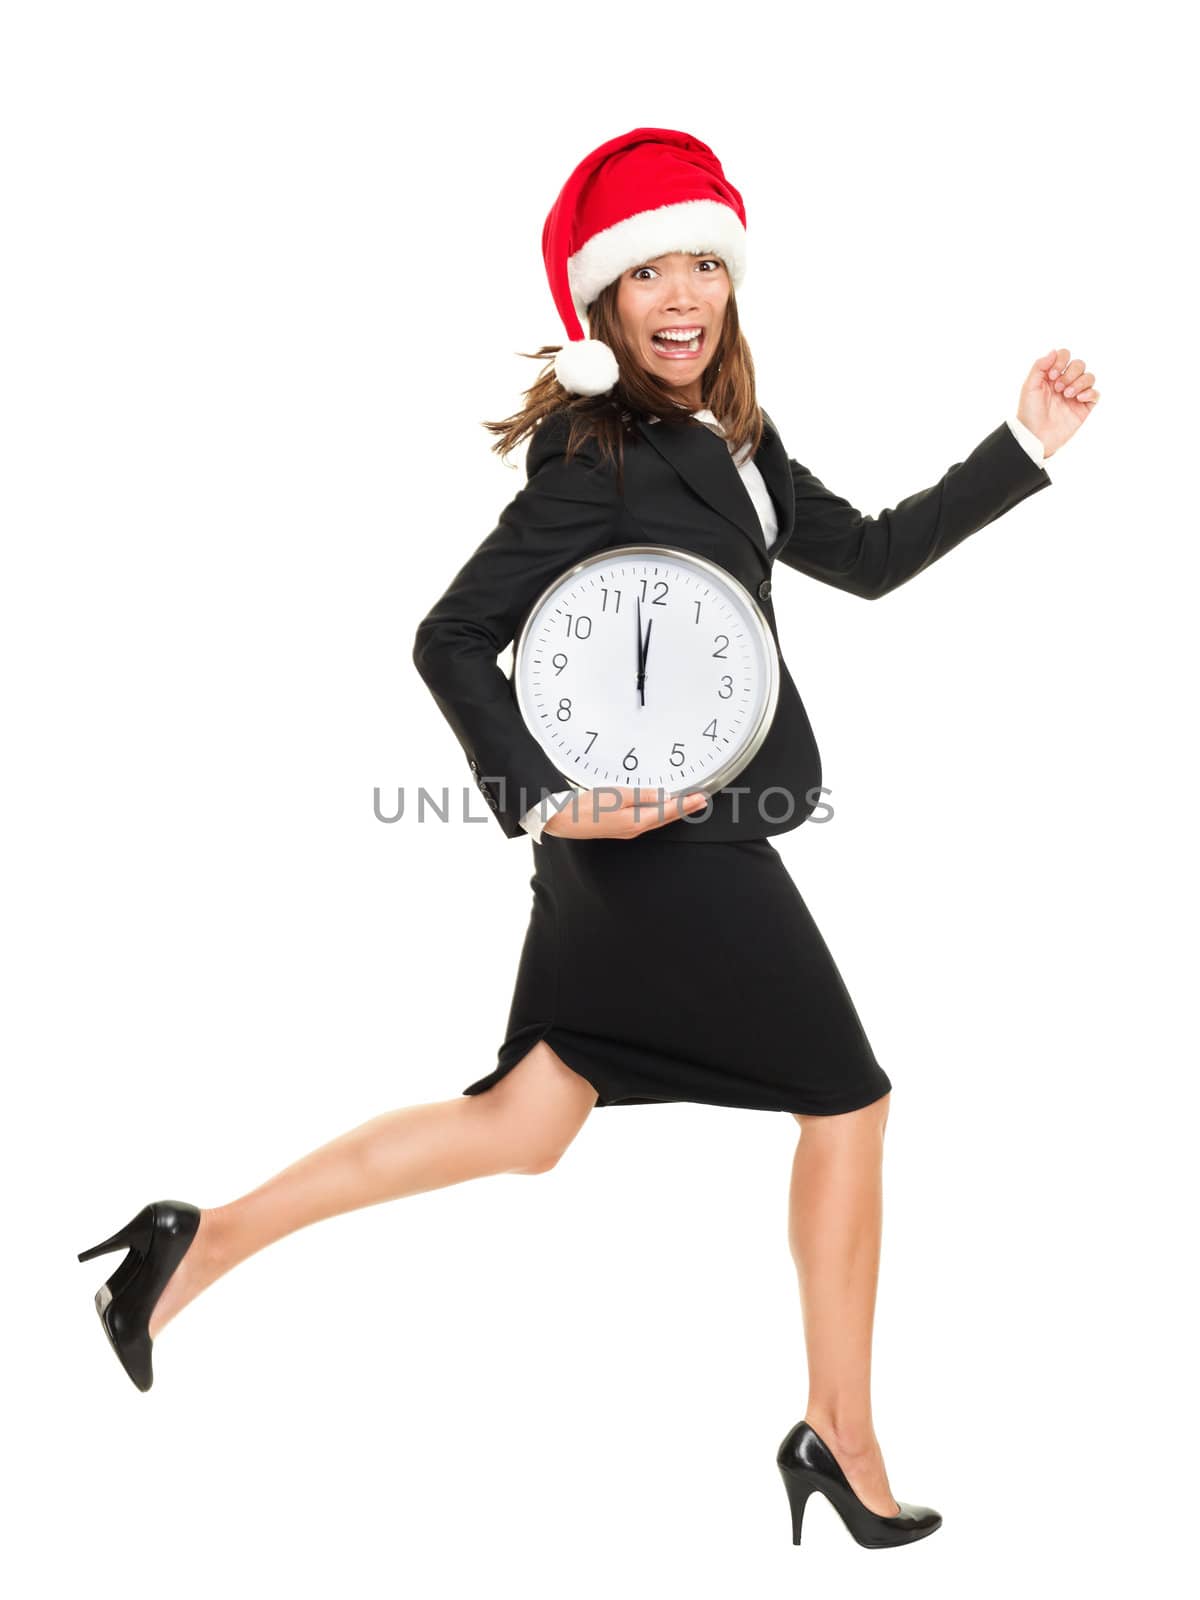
<point>640,808</point>
<point>640,797</point>
<point>1078,383</point>
<point>674,809</point>
<point>1061,357</point>
<point>1089,396</point>
<point>1044,362</point>
<point>678,806</point>
<point>650,798</point>
<point>1071,370</point>
<point>602,802</point>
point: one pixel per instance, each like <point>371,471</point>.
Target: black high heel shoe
<point>808,1464</point>
<point>158,1239</point>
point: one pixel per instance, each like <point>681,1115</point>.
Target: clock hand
<point>641,658</point>
<point>645,657</point>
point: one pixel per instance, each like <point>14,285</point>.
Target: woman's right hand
<point>612,812</point>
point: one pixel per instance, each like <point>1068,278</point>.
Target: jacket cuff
<point>537,816</point>
<point>507,799</point>
<point>1028,440</point>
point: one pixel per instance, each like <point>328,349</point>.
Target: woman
<point>649,431</point>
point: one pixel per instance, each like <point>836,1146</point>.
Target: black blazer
<point>682,488</point>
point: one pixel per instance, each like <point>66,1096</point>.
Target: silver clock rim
<point>735,764</point>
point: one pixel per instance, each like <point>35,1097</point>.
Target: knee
<point>539,1161</point>
<point>874,1116</point>
<point>522,1144</point>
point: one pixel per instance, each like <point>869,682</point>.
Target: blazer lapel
<point>702,459</point>
<point>772,461</point>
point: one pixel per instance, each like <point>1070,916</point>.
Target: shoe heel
<point>807,1463</point>
<point>157,1239</point>
<point>135,1234</point>
<point>798,1492</point>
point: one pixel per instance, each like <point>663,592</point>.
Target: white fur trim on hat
<point>586,366</point>
<point>687,225</point>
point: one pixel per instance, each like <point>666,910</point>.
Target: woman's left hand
<point>1056,398</point>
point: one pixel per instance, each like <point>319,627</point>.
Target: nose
<point>680,291</point>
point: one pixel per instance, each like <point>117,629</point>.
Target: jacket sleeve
<point>871,556</point>
<point>564,512</point>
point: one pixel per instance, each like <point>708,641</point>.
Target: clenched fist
<point>1056,398</point>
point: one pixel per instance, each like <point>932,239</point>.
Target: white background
<point>268,268</point>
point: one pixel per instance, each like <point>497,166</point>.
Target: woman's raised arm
<point>871,556</point>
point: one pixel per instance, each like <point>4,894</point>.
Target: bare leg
<point>835,1224</point>
<point>522,1124</point>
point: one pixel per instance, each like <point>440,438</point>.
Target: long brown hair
<point>608,419</point>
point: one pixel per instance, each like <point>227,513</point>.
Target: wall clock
<point>647,666</point>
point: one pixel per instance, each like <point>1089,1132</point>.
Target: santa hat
<point>645,194</point>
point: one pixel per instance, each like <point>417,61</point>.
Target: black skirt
<point>666,974</point>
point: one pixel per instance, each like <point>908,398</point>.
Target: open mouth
<point>677,343</point>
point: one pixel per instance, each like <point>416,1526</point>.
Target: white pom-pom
<point>586,366</point>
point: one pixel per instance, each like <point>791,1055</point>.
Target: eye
<point>707,261</point>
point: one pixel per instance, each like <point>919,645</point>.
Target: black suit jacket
<point>682,488</point>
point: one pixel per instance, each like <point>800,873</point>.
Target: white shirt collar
<point>709,421</point>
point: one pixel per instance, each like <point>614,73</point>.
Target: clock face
<point>647,666</point>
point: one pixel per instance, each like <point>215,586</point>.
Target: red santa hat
<point>645,194</point>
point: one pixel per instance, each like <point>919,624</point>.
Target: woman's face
<point>682,293</point>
